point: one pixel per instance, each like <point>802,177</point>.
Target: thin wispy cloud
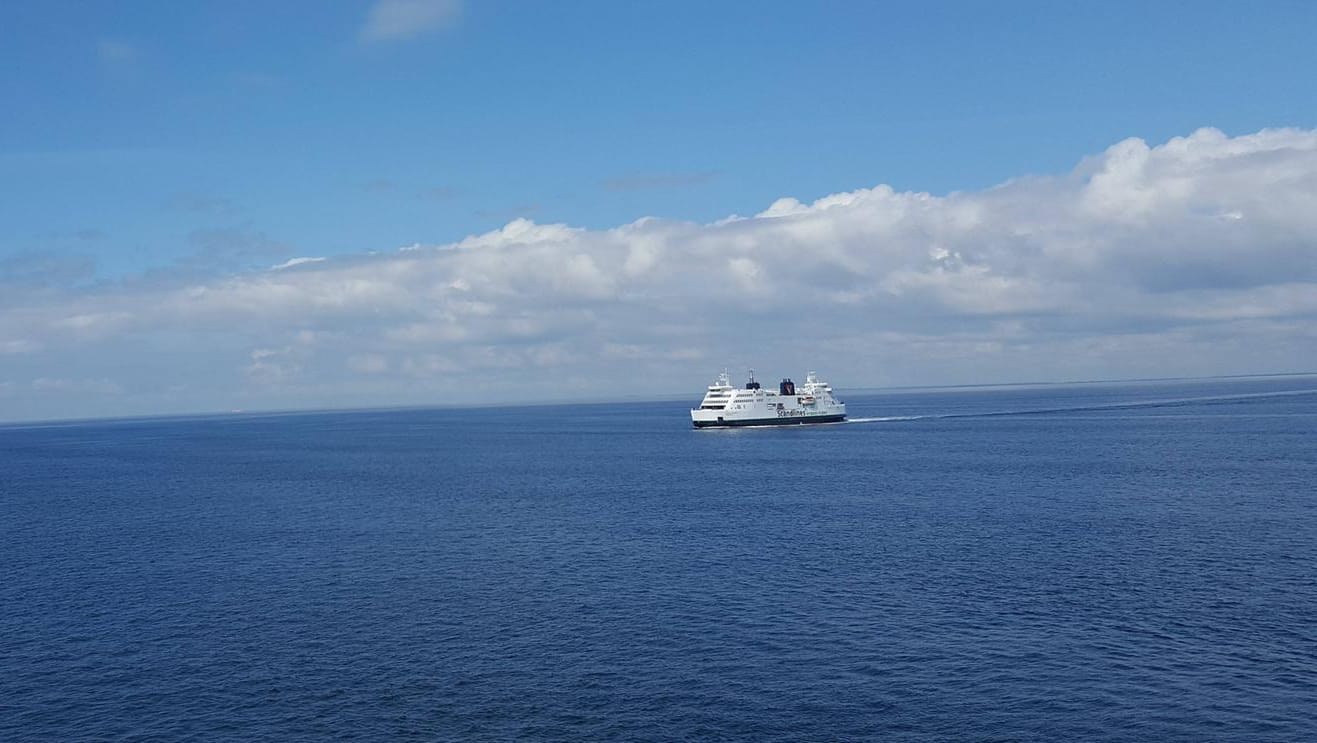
<point>291,262</point>
<point>380,185</point>
<point>517,211</point>
<point>200,203</point>
<point>62,386</point>
<point>229,250</point>
<point>45,268</point>
<point>401,20</point>
<point>439,193</point>
<point>116,52</point>
<point>18,346</point>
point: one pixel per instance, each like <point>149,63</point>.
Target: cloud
<point>516,212</point>
<point>296,262</point>
<point>21,345</point>
<point>227,250</point>
<point>274,366</point>
<point>368,363</point>
<point>116,52</point>
<point>200,203</point>
<point>439,193</point>
<point>380,185</point>
<point>45,268</point>
<point>1195,256</point>
<point>400,20</point>
<point>46,385</point>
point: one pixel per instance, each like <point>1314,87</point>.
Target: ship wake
<point>1103,407</point>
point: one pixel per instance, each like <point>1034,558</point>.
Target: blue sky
<point>153,143</point>
<point>279,118</point>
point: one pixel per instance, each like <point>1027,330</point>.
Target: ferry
<point>725,406</point>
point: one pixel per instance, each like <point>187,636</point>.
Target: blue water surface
<point>1097,562</point>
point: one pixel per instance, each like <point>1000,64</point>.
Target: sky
<point>241,205</point>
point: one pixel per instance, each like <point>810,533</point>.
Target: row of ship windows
<point>752,395</point>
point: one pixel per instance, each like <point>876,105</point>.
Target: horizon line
<point>275,412</point>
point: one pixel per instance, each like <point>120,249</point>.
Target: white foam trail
<point>1096,408</point>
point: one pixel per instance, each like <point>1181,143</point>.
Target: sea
<point>1098,562</point>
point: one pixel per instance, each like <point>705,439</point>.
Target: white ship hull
<point>703,421</point>
<point>724,406</point>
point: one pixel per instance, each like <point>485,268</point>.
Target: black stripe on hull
<point>786,421</point>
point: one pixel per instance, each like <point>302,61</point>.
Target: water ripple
<point>1138,572</point>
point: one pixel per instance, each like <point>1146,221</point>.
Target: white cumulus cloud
<point>1195,256</point>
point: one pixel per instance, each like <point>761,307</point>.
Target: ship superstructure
<point>724,405</point>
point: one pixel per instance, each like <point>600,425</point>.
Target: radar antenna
<point>752,384</point>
